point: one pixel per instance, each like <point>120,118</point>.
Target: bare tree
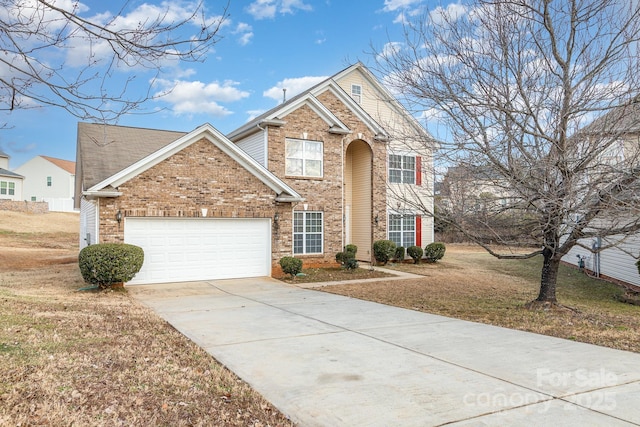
<point>54,53</point>
<point>515,83</point>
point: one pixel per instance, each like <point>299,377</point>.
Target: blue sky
<point>266,45</point>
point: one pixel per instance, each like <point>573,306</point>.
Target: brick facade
<point>326,194</point>
<point>200,176</point>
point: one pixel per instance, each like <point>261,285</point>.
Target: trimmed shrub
<point>434,251</point>
<point>347,259</point>
<point>351,249</point>
<point>383,250</point>
<point>106,264</point>
<point>638,265</point>
<point>399,254</point>
<point>291,265</point>
<point>416,253</point>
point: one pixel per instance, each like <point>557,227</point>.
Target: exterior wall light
<point>276,217</point>
<point>119,216</point>
<point>376,220</point>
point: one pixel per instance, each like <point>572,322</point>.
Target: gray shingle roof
<point>104,150</point>
<point>4,172</point>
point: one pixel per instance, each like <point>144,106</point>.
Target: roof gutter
<point>95,194</point>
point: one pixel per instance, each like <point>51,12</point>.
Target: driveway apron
<point>329,360</point>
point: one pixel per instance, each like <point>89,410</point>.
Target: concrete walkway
<point>328,360</point>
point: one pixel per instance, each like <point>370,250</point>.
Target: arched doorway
<point>358,196</point>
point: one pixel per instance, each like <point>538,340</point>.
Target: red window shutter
<point>418,230</point>
<point>418,171</point>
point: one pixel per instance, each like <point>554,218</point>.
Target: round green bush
<point>399,254</point>
<point>291,265</point>
<point>434,251</point>
<point>415,252</point>
<point>106,264</point>
<point>383,250</point>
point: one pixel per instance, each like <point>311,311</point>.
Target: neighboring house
<point>10,182</point>
<point>50,180</point>
<point>615,263</point>
<point>303,179</point>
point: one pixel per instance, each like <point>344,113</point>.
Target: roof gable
<point>276,115</point>
<point>309,97</point>
<point>285,193</point>
<point>66,165</point>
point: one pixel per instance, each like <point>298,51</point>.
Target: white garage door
<point>200,248</point>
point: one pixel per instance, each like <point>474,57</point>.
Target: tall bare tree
<point>59,53</point>
<point>514,84</point>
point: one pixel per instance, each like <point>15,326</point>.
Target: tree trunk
<point>549,277</point>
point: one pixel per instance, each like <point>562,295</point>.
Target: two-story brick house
<point>303,179</point>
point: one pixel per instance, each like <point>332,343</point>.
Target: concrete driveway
<point>328,360</point>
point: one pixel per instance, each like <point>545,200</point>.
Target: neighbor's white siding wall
<point>88,223</point>
<point>396,123</point>
<point>256,146</point>
<point>18,188</point>
<point>617,263</point>
<point>35,173</point>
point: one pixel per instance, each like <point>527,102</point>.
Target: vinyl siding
<point>361,203</point>
<point>255,146</point>
<point>88,223</point>
<point>614,262</point>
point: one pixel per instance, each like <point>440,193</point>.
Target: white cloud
<point>84,49</point>
<point>253,114</point>
<point>245,31</point>
<point>293,86</point>
<point>393,5</point>
<point>267,9</point>
<point>195,97</point>
<point>390,49</point>
<point>452,13</point>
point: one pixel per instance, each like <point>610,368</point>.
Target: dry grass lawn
<point>90,359</point>
<point>470,284</point>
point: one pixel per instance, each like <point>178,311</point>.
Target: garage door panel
<point>200,249</point>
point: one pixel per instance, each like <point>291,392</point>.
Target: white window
<point>48,181</point>
<point>12,188</point>
<point>307,232</point>
<point>402,230</point>
<point>3,187</point>
<point>356,93</point>
<point>402,169</point>
<point>303,158</point>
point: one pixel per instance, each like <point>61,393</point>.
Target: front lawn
<point>472,285</point>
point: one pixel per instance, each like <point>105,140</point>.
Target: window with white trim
<point>356,93</point>
<point>7,188</point>
<point>402,230</point>
<point>303,158</point>
<point>48,181</point>
<point>307,233</point>
<point>402,169</point>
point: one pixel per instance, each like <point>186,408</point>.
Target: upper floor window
<point>48,181</point>
<point>356,93</point>
<point>303,158</point>
<point>402,169</point>
<point>307,232</point>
